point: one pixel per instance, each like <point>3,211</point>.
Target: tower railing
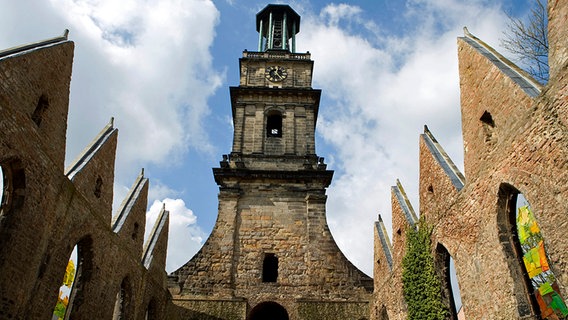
<point>276,55</point>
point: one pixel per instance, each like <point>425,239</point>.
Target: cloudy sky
<point>162,69</point>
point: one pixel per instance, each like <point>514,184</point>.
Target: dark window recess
<point>3,188</point>
<point>274,126</point>
<point>40,109</point>
<point>270,268</point>
<point>488,126</point>
<point>135,231</point>
<point>98,187</point>
<point>487,119</point>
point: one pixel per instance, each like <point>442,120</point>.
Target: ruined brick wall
<point>388,296</point>
<point>47,211</point>
<point>515,142</point>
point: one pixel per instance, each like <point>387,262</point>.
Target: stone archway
<point>268,311</point>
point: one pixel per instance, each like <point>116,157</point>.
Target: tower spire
<point>277,24</point>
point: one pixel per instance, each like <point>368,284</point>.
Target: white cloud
<point>185,236</point>
<point>144,64</point>
<point>378,94</point>
<point>149,65</point>
<point>159,191</point>
<point>336,12</point>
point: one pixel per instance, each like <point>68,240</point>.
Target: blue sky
<point>163,68</point>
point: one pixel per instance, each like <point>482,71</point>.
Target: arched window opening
<point>488,126</point>
<point>135,231</point>
<point>268,310</point>
<point>525,246</point>
<point>383,315</point>
<point>41,107</point>
<point>123,301</point>
<point>151,312</point>
<point>274,125</point>
<point>2,191</point>
<point>536,263</point>
<point>12,192</point>
<point>270,268</point>
<point>66,287</point>
<point>98,187</point>
<point>77,274</point>
<point>448,276</point>
<point>456,294</point>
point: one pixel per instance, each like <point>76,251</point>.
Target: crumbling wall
<point>515,142</point>
<point>46,211</point>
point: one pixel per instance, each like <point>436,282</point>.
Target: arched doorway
<point>268,311</point>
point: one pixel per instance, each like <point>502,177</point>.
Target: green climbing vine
<point>421,286</point>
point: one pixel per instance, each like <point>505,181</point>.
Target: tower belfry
<point>271,254</point>
<point>277,24</point>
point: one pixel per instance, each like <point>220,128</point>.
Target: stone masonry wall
<point>388,294</point>
<point>275,217</point>
<point>44,214</point>
<point>513,143</point>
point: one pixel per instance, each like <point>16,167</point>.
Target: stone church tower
<point>271,254</point>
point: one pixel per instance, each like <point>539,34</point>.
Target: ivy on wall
<point>421,286</point>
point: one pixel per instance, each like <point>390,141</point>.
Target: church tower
<point>271,254</point>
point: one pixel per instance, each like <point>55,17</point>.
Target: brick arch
<point>268,310</point>
<point>527,306</point>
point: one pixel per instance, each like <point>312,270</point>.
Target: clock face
<point>275,73</point>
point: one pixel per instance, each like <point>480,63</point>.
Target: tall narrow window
<point>536,287</point>
<point>448,276</point>
<point>270,268</point>
<point>66,287</point>
<point>77,274</point>
<point>40,109</point>
<point>536,263</point>
<point>122,304</point>
<point>2,193</point>
<point>274,125</point>
<point>488,126</point>
<point>151,312</point>
<point>12,193</point>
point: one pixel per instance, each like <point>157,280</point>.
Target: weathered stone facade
<point>515,142</point>
<point>271,252</point>
<point>272,208</point>
<point>46,211</point>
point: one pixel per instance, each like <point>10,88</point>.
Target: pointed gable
<point>440,179</point>
<point>382,250</point>
<point>34,83</point>
<point>92,172</point>
<point>130,220</point>
<point>403,217</point>
<point>157,244</point>
<point>494,95</point>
